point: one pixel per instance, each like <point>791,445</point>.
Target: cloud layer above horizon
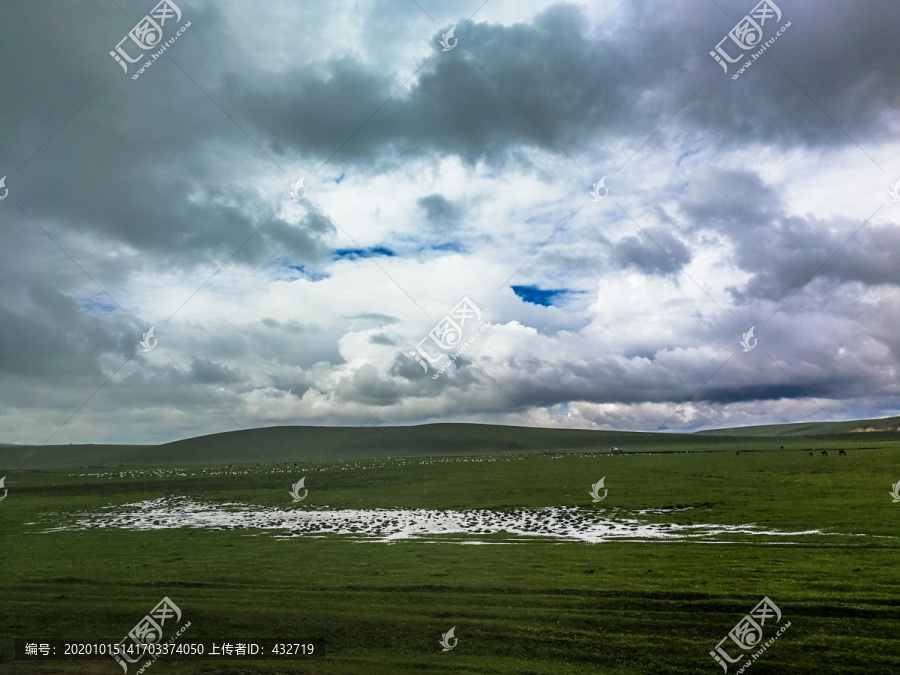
<point>433,175</point>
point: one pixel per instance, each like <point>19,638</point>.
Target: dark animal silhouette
<point>782,447</point>
<point>841,452</point>
<point>825,452</point>
<point>810,454</point>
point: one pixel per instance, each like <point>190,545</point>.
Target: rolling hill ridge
<point>308,443</point>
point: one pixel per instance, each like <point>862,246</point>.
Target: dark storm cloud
<point>290,326</point>
<point>158,168</point>
<point>366,385</point>
<point>798,250</point>
<point>405,367</point>
<point>461,375</point>
<point>844,56</point>
<point>578,87</point>
<point>209,372</point>
<point>757,392</point>
<point>653,252</point>
<point>167,179</point>
<point>440,211</point>
<point>381,339</point>
<point>56,338</point>
<point>291,343</point>
<point>656,251</point>
<point>549,67</point>
<point>783,252</point>
<point>155,198</point>
<point>379,319</point>
<point>543,382</point>
<point>731,201</point>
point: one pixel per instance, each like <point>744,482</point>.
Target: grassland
<point>538,607</point>
<point>298,443</point>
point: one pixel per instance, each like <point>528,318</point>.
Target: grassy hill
<point>303,443</point>
<point>889,425</point>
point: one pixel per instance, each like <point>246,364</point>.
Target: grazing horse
<point>825,452</point>
<point>841,452</point>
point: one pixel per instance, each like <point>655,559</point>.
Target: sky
<point>561,214</point>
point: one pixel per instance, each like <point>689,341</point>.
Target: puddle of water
<point>672,509</point>
<point>387,525</point>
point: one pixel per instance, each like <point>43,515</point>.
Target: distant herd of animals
<point>824,452</point>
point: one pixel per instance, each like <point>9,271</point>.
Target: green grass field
<point>519,606</point>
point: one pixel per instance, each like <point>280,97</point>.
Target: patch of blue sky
<point>357,253</point>
<point>544,297</point>
<point>97,304</point>
<point>290,272</point>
